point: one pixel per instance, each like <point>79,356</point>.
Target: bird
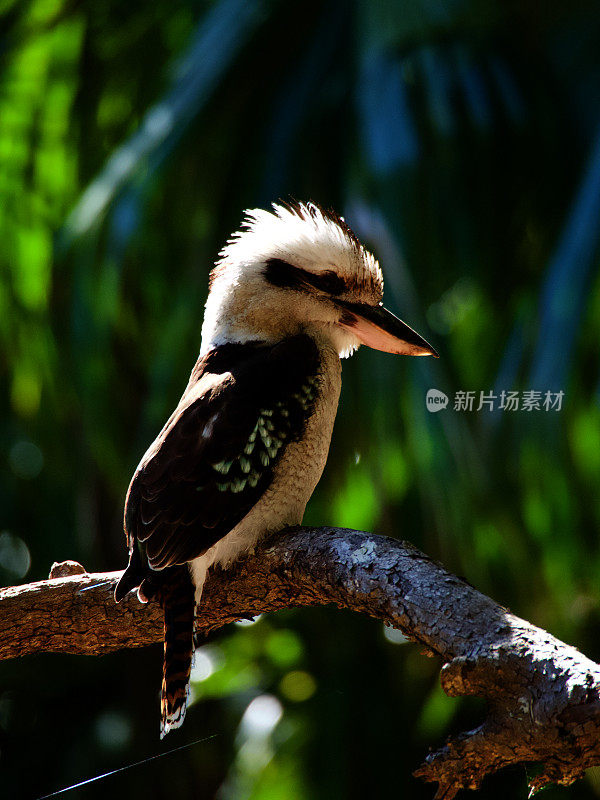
<point>292,293</point>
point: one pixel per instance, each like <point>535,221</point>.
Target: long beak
<point>378,328</point>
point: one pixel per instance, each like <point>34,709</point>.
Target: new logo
<point>436,400</point>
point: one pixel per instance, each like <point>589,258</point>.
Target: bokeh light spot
<point>298,686</point>
<point>14,555</point>
<point>26,392</point>
<point>244,623</point>
<point>207,661</point>
<point>113,730</point>
<point>284,647</point>
<point>26,460</point>
<point>394,636</point>
<point>261,716</point>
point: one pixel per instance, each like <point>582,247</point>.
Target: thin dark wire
<point>128,766</point>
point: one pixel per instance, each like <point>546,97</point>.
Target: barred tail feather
<point>176,596</point>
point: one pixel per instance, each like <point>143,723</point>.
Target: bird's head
<point>299,269</point>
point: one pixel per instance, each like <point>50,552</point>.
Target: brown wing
<point>216,455</point>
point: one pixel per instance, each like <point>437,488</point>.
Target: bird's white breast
<point>294,480</point>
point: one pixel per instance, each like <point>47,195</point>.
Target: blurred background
<point>461,140</point>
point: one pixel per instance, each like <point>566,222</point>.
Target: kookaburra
<point>292,293</point>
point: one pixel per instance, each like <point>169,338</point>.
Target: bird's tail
<point>176,596</point>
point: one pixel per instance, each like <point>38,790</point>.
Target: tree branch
<point>544,696</point>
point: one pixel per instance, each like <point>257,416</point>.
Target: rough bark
<point>544,696</point>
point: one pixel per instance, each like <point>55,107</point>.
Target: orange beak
<point>378,328</point>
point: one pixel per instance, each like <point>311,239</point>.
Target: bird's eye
<point>280,273</point>
<point>329,282</point>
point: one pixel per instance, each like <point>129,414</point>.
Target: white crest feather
<point>305,236</point>
<point>241,305</point>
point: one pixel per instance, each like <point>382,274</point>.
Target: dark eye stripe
<point>280,273</point>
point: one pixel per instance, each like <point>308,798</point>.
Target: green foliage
<point>461,141</point>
